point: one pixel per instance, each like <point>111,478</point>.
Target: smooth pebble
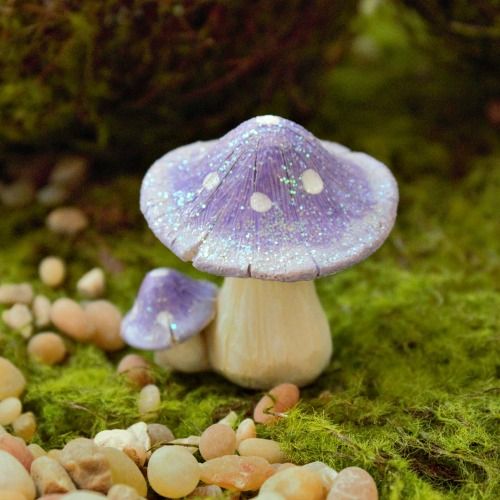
<point>67,221</point>
<point>325,472</point>
<point>216,441</point>
<point>106,319</point>
<point>149,401</point>
<point>123,440</point>
<point>17,194</point>
<point>83,495</point>
<point>18,449</point>
<point>50,476</point>
<point>246,430</point>
<point>353,483</point>
<point>36,450</point>
<point>92,284</point>
<point>123,492</point>
<point>16,293</point>
<point>159,434</point>
<point>20,318</point>
<point>47,348</point>
<point>10,409</point>
<point>52,271</point>
<point>265,448</point>
<point>295,483</point>
<point>69,171</point>
<point>173,472</point>
<point>24,426</point>
<point>41,310</point>
<point>52,195</point>
<point>278,400</point>
<point>12,381</point>
<point>14,477</point>
<point>140,432</point>
<point>69,317</point>
<point>11,495</point>
<point>135,369</point>
<point>209,491</point>
<point>230,419</point>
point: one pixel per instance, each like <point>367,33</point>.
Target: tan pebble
<point>159,434</point>
<point>210,491</point>
<point>125,471</point>
<point>149,401</point>
<point>10,409</point>
<point>295,483</point>
<point>2,430</point>
<point>87,465</point>
<point>269,495</point>
<point>83,495</point>
<point>25,426</point>
<point>18,449</point>
<point>173,472</point>
<point>19,318</point>
<point>52,271</point>
<point>246,430</point>
<point>52,195</point>
<point>106,319</point>
<point>280,399</point>
<point>11,495</point>
<point>55,453</point>
<point>36,450</point>
<point>41,311</point>
<point>189,356</point>
<point>140,432</point>
<point>230,419</point>
<point>135,369</point>
<point>47,348</point>
<point>54,496</point>
<point>67,221</point>
<point>50,476</point>
<point>123,492</point>
<point>69,317</point>
<point>353,483</point>
<point>14,477</point>
<point>69,171</point>
<point>236,473</point>
<point>18,194</point>
<point>216,441</point>
<point>265,448</point>
<point>11,293</point>
<point>92,284</point>
<point>280,467</point>
<point>325,472</point>
<point>123,440</point>
<point>187,441</point>
<point>12,381</point>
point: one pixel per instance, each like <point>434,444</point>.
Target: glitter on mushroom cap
<point>269,201</point>
<point>169,309</point>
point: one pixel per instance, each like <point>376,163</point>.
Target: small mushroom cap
<point>169,309</point>
<point>270,201</point>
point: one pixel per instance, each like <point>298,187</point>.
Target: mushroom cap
<point>270,201</point>
<point>169,309</point>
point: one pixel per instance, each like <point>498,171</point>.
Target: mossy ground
<point>412,393</point>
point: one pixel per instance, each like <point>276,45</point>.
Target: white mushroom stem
<point>268,332</point>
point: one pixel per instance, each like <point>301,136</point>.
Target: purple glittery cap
<point>270,201</point>
<point>169,309</point>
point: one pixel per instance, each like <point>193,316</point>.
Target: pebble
<point>47,348</point>
<point>10,409</point>
<point>265,448</point>
<point>69,171</point>
<point>216,441</point>
<point>52,195</point>
<point>83,495</point>
<point>41,310</point>
<point>19,318</point>
<point>107,320</point>
<point>50,476</point>
<point>11,495</point>
<point>246,430</point>
<point>14,477</point>
<point>12,381</point>
<point>125,471</point>
<point>230,419</point>
<point>67,221</point>
<point>36,450</point>
<point>135,369</point>
<point>140,432</point>
<point>123,492</point>
<point>236,473</point>
<point>353,483</point>
<point>12,293</point>
<point>210,491</point>
<point>25,426</point>
<point>187,441</point>
<point>189,356</point>
<point>125,441</point>
<point>18,449</point>
<point>69,317</point>
<point>92,284</point>
<point>2,430</point>
<point>159,434</point>
<point>52,271</point>
<point>280,399</point>
<point>87,466</point>
<point>17,194</point>
<point>149,401</point>
<point>325,472</point>
<point>173,472</point>
<point>294,483</point>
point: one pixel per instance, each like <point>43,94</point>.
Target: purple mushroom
<point>170,311</point>
<point>271,208</point>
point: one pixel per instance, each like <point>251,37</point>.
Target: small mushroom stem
<point>268,332</point>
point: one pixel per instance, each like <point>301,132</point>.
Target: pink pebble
<point>279,399</point>
<point>18,449</point>
<point>353,483</point>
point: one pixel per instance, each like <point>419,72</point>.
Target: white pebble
<point>260,202</point>
<point>246,430</point>
<point>325,472</point>
<point>11,293</point>
<point>140,432</point>
<point>41,310</point>
<point>67,221</point>
<point>230,419</point>
<point>25,426</point>
<point>149,400</point>
<point>14,477</point>
<point>52,271</point>
<point>10,409</point>
<point>70,171</point>
<point>19,318</point>
<point>122,440</point>
<point>92,284</point>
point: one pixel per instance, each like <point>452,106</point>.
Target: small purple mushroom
<point>170,311</point>
<point>271,208</point>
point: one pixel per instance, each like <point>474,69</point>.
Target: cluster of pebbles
<point>128,464</point>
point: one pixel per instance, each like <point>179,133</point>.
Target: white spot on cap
<point>260,202</point>
<point>157,273</point>
<point>312,182</point>
<point>267,120</point>
<point>211,181</point>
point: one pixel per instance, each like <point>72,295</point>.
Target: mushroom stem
<point>267,332</point>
